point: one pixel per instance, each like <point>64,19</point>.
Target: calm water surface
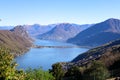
<point>45,57</point>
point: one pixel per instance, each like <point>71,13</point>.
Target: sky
<point>44,12</point>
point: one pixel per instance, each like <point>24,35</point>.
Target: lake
<point>45,57</point>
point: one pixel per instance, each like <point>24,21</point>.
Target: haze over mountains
<point>63,32</point>
<point>56,32</point>
<point>82,35</point>
<point>36,29</point>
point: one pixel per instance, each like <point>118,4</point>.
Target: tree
<point>57,71</point>
<point>38,74</point>
<point>97,71</point>
<point>7,66</point>
<point>74,73</point>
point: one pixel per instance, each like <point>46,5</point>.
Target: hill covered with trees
<point>96,64</point>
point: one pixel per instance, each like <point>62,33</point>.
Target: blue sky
<point>16,12</point>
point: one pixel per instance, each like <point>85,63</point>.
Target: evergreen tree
<point>57,71</point>
<point>74,73</point>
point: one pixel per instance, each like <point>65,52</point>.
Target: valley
<point>60,40</point>
<point>66,45</point>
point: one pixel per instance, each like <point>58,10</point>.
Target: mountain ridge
<point>62,32</point>
<point>98,34</point>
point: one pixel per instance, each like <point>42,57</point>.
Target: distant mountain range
<point>36,29</point>
<point>83,35</point>
<point>98,34</point>
<point>62,32</point>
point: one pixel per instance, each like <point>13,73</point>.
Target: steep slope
<point>36,29</point>
<point>98,34</point>
<point>15,40</point>
<point>62,32</point>
<point>20,30</point>
<point>108,54</point>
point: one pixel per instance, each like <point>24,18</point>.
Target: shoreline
<point>38,46</point>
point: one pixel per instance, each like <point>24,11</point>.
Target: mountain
<point>36,29</point>
<point>63,31</point>
<point>20,30</point>
<point>108,54</point>
<point>98,34</point>
<point>104,60</point>
<point>16,40</point>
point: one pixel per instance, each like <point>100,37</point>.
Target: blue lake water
<point>45,57</point>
